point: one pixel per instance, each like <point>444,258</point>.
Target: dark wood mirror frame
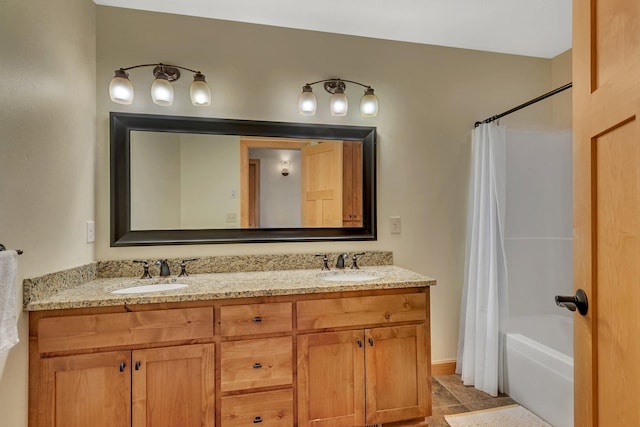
<point>121,125</point>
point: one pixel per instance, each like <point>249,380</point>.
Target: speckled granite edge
<point>42,287</point>
<point>239,263</point>
<point>50,284</point>
<point>207,287</point>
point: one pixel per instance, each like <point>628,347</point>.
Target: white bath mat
<point>505,416</point>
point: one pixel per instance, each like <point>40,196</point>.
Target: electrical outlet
<point>234,195</point>
<point>395,224</point>
<point>232,218</point>
<point>91,231</point>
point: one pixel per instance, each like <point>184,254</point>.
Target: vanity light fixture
<point>121,89</point>
<point>338,104</point>
<point>284,168</point>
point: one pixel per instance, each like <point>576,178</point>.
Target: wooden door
<point>321,171</point>
<point>254,193</point>
<point>86,390</point>
<point>606,114</point>
<point>352,184</point>
<point>173,386</point>
<point>331,379</point>
<point>397,380</point>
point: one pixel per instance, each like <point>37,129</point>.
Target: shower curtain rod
<point>526,104</point>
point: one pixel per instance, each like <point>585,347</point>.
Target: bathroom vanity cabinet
<point>339,359</point>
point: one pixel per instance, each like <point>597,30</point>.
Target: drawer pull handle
<point>122,366</point>
<point>137,365</point>
<point>371,342</point>
<point>257,319</point>
<point>257,365</point>
<point>359,343</point>
<point>257,420</point>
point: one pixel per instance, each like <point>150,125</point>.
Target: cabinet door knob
<point>137,365</point>
<point>371,342</point>
<point>257,365</point>
<point>122,366</point>
<point>359,343</point>
<point>257,420</point>
<point>257,319</point>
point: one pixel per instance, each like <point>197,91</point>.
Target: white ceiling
<point>540,28</point>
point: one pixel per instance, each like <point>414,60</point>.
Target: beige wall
<point>155,181</point>
<point>561,103</point>
<point>210,171</point>
<point>429,99</point>
<point>47,154</point>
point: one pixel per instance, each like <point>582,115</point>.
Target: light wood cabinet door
<point>336,370</point>
<point>173,386</point>
<point>396,374</point>
<point>86,390</point>
<point>331,379</point>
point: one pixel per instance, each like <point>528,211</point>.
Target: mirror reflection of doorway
<point>323,187</point>
<point>254,193</point>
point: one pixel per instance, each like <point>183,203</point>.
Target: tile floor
<point>450,396</point>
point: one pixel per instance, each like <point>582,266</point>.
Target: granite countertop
<point>211,286</point>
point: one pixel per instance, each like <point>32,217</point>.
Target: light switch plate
<point>91,231</point>
<point>395,224</point>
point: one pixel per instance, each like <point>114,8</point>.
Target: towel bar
<point>3,248</point>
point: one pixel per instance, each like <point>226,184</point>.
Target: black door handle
<point>579,301</point>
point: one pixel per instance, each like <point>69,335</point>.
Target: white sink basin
<point>159,287</point>
<point>349,277</point>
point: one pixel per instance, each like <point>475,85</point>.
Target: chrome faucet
<point>340,260</point>
<point>164,268</point>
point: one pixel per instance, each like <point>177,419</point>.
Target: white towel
<point>8,309</point>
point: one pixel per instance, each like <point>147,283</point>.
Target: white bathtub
<point>539,366</point>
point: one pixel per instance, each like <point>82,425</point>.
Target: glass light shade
<point>369,104</point>
<point>200,92</point>
<point>162,92</point>
<point>284,167</point>
<point>339,104</point>
<point>307,102</point>
<point>120,89</point>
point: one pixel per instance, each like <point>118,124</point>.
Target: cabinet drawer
<point>123,329</point>
<point>256,363</point>
<point>358,311</point>
<point>250,319</point>
<point>273,408</point>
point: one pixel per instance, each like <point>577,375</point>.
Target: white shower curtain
<point>483,312</point>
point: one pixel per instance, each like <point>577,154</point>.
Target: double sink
<point>329,276</point>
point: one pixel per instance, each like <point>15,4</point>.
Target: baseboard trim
<point>443,367</point>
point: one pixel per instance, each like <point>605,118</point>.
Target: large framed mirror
<point>192,180</point>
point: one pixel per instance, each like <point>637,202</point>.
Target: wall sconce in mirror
<point>338,104</point>
<point>284,167</point>
<point>121,89</point>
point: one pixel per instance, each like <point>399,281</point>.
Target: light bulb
<point>307,102</point>
<point>200,92</point>
<point>369,104</point>
<point>162,91</point>
<point>120,88</point>
<point>339,104</point>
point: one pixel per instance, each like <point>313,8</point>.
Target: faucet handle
<point>325,261</point>
<point>183,266</point>
<point>145,267</point>
<point>354,260</point>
